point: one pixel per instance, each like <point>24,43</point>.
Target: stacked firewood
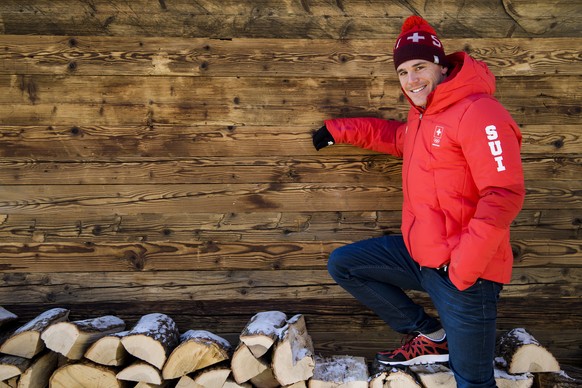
<point>274,351</point>
<point>53,351</point>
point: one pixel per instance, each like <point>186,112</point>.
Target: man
<point>462,187</point>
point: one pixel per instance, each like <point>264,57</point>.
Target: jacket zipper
<point>408,170</point>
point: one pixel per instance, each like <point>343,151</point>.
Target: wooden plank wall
<point>156,156</point>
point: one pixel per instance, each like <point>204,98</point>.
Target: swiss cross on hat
<point>418,40</point>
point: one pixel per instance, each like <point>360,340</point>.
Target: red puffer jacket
<point>462,177</point>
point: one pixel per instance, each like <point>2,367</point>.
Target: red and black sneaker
<point>419,350</point>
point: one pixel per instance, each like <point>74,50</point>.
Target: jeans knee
<point>336,264</point>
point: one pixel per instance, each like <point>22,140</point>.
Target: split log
<point>299,384</point>
<point>395,378</point>
<point>207,378</point>
<point>26,340</point>
<point>6,316</point>
<point>10,383</point>
<point>108,350</point>
<point>339,371</point>
<point>39,373</point>
<point>141,371</point>
<point>434,375</point>
<point>505,380</point>
<point>198,349</point>
<point>261,332</point>
<point>245,365</point>
<point>85,375</point>
<point>265,380</point>
<point>517,351</point>
<point>11,366</point>
<point>293,353</point>
<point>71,339</point>
<point>233,384</point>
<point>142,384</point>
<point>152,339</point>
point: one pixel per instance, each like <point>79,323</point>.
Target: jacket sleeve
<point>490,141</point>
<point>386,136</point>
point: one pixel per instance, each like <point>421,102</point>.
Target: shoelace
<point>407,341</point>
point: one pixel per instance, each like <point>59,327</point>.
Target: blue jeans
<point>376,271</point>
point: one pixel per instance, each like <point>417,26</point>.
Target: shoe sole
<point>428,359</point>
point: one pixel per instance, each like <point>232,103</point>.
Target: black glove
<point>322,138</point>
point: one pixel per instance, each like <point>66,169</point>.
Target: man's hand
<point>322,138</point>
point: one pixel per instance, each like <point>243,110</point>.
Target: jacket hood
<point>467,76</point>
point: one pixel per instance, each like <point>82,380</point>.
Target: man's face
<point>419,78</point>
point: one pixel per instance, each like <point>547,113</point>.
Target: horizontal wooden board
<point>246,227</point>
<point>289,18</point>
<point>235,198</point>
<point>156,257</point>
<point>370,169</point>
<point>166,145</point>
<point>114,100</point>
<point>64,288</point>
<point>322,58</point>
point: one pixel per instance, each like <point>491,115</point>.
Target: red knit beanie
<point>418,40</point>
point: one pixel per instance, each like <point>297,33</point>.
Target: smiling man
<point>462,188</point>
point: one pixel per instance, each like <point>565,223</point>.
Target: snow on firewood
<point>506,380</point>
<point>72,339</point>
<point>339,371</point>
<point>519,352</point>
<point>198,349</point>
<point>26,340</point>
<point>152,339</point>
<point>395,378</point>
<point>261,332</point>
<point>293,353</point>
<point>6,316</point>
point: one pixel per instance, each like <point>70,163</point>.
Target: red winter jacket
<point>462,177</point>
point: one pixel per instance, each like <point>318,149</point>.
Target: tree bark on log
<point>339,371</point>
<point>517,351</point>
<point>400,378</point>
<point>11,366</point>
<point>108,350</point>
<point>141,371</point>
<point>262,331</point>
<point>152,339</point>
<point>72,339</point>
<point>6,316</point>
<point>198,349</point>
<point>293,353</point>
<point>26,340</point>
<point>555,380</point>
<point>79,374</point>
<point>40,371</point>
<point>434,375</point>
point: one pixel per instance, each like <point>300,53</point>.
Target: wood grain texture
<point>236,256</point>
<point>233,145</point>
<point>83,100</point>
<point>266,57</point>
<point>287,19</point>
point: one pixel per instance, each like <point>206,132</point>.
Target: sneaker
<point>418,350</point>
